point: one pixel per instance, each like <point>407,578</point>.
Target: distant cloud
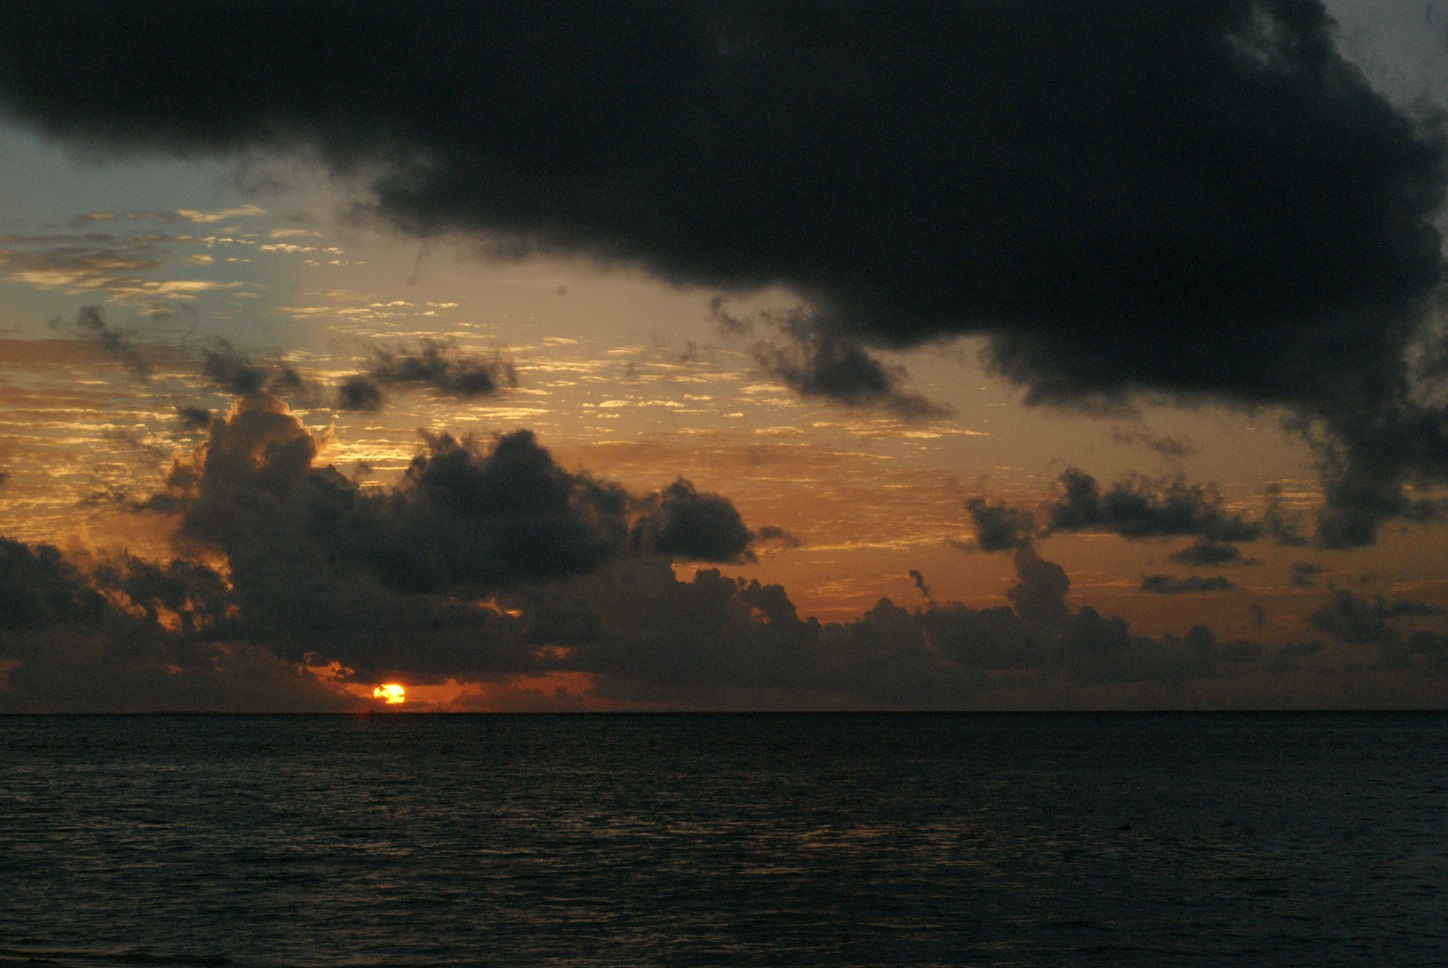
<point>435,365</point>
<point>133,637</point>
<point>193,418</point>
<point>466,512</point>
<point>234,372</point>
<point>359,392</point>
<point>1143,508</point>
<point>815,361</point>
<point>1167,445</point>
<point>208,218</point>
<point>1190,584</point>
<point>1304,572</point>
<point>999,527</point>
<point>1348,618</point>
<point>90,323</point>
<point>682,522</point>
<point>1203,552</point>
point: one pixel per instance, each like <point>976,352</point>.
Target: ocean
<point>840,839</point>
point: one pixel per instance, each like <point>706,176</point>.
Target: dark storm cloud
<point>1177,585</point>
<point>999,527</point>
<point>814,359</point>
<point>1075,181</point>
<point>1142,508</point>
<point>90,323</point>
<point>1205,552</point>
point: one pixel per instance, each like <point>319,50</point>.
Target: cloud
<point>999,527</point>
<point>435,365</point>
<point>1303,573</point>
<point>781,539</point>
<point>919,580</point>
<point>1348,618</point>
<point>1420,654</point>
<point>648,637</point>
<point>1204,552</point>
<point>1167,445</point>
<point>94,261</point>
<point>132,637</point>
<point>208,218</point>
<point>815,360</point>
<point>1142,508</point>
<point>681,522</point>
<point>193,418</point>
<point>1190,584</point>
<point>233,371</point>
<point>404,580</point>
<point>1074,184</point>
<point>442,367</point>
<point>359,393</point>
<point>90,323</point>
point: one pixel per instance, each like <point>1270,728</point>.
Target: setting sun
<point>390,693</point>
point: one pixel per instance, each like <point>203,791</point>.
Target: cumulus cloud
<point>1070,183</point>
<point>359,392</point>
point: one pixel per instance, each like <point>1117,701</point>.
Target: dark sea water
<point>1247,839</point>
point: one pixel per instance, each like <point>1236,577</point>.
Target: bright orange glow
<point>390,693</point>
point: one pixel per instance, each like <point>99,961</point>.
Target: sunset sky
<point>722,356</point>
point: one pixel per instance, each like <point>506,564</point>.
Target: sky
<point>722,356</point>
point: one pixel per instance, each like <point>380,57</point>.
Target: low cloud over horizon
<point>487,563</point>
<point>943,275</point>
